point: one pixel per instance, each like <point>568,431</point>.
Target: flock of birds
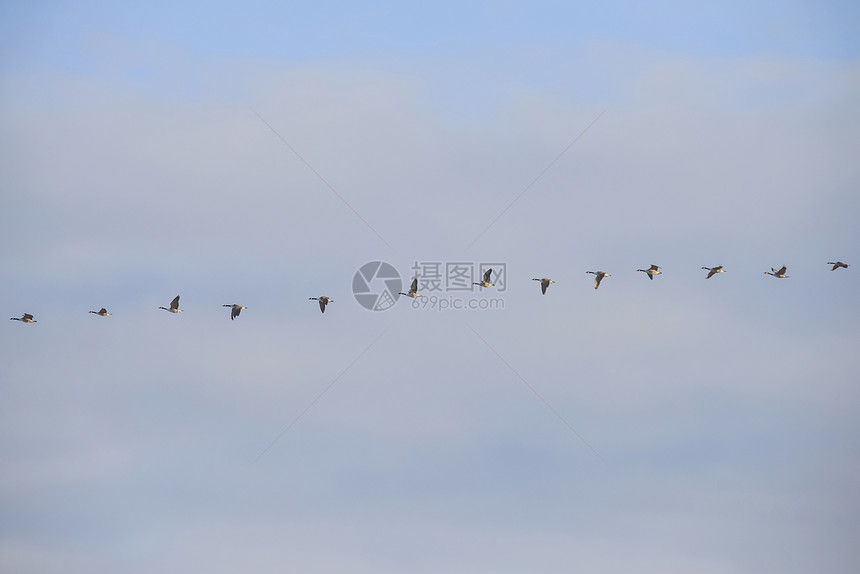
<point>235,309</point>
<point>655,270</point>
<point>545,282</point>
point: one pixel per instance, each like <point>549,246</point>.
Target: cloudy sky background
<point>145,152</point>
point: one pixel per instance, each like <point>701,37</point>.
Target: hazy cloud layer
<point>141,165</point>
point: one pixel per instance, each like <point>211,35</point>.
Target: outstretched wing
<point>175,303</point>
<point>487,274</point>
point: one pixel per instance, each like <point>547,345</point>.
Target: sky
<point>261,153</point>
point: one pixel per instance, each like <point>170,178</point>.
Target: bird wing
<point>175,303</point>
<point>781,270</point>
<point>487,274</point>
<point>543,286</point>
<point>235,312</point>
<point>322,305</point>
<point>711,273</point>
<point>414,287</point>
<point>27,316</point>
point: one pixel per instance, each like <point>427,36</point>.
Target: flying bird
<point>598,277</point>
<point>174,306</point>
<point>778,273</point>
<point>544,283</point>
<point>234,309</point>
<point>485,282</point>
<point>651,271</point>
<point>713,270</point>
<point>413,289</point>
<point>101,312</point>
<point>25,318</point>
<point>323,301</point>
<point>837,265</point>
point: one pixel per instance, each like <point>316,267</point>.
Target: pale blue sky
<point>134,166</point>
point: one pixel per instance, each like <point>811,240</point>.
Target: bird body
<point>413,290</point>
<point>25,318</point>
<point>101,312</point>
<point>544,283</point>
<point>234,310</point>
<point>778,273</point>
<point>837,265</point>
<point>174,306</point>
<point>598,277</point>
<point>485,282</point>
<point>651,271</point>
<point>323,301</point>
<point>714,270</point>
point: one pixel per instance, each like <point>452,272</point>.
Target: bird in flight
<point>598,277</point>
<point>101,312</point>
<point>837,265</point>
<point>25,318</point>
<point>714,270</point>
<point>413,290</point>
<point>174,306</point>
<point>235,309</point>
<point>485,282</point>
<point>651,271</point>
<point>323,301</point>
<point>544,283</point>
<point>778,273</point>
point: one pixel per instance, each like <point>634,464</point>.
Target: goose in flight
<point>25,318</point>
<point>651,271</point>
<point>837,265</point>
<point>485,282</point>
<point>234,309</point>
<point>323,301</point>
<point>598,277</point>
<point>413,289</point>
<point>544,283</point>
<point>174,306</point>
<point>778,273</point>
<point>101,312</point>
<point>713,270</point>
